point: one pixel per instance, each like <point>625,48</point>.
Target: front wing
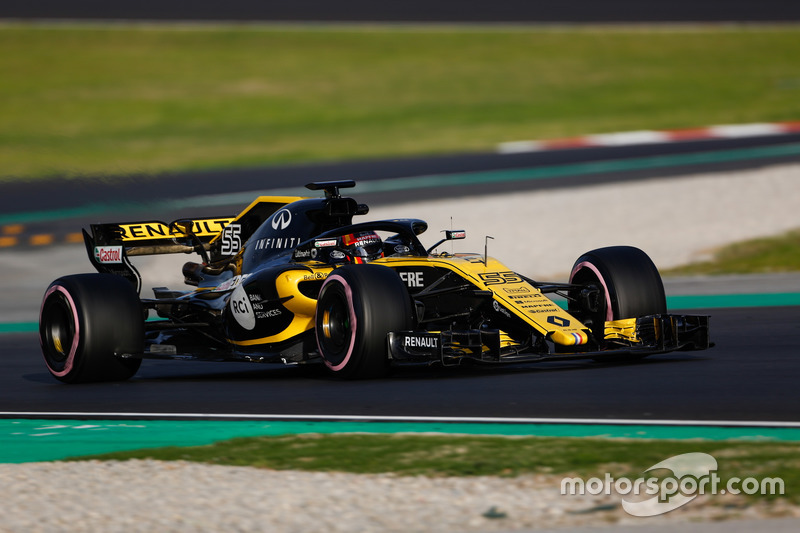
<point>646,335</point>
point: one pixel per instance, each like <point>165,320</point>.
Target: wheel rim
<point>335,327</point>
<point>596,319</point>
<point>586,272</point>
<point>58,333</point>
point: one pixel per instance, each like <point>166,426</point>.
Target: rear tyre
<point>86,321</point>
<point>357,307</point>
<point>630,286</point>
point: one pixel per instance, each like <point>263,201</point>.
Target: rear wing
<point>110,245</point>
<point>156,237</point>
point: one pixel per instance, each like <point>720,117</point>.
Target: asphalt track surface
<point>750,375</point>
<point>475,11</point>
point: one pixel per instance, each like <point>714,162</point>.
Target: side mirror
<point>449,235</point>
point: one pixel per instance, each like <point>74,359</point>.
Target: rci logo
<point>281,219</point>
<point>241,308</point>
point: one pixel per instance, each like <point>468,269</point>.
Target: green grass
<point>411,455</point>
<point>97,100</point>
<point>780,253</point>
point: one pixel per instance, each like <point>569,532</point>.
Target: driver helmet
<point>362,247</point>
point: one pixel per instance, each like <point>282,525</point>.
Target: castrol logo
<point>108,254</point>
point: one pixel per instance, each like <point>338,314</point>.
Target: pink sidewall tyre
<point>358,306</point>
<point>91,328</point>
<point>629,282</point>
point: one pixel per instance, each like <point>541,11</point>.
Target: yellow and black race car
<point>293,280</point>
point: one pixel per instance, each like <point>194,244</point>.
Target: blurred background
<point>155,110</point>
<point>554,127</point>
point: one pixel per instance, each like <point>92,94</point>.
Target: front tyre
<point>358,306</point>
<point>85,323</point>
<point>628,282</point>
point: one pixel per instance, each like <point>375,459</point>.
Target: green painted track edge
<point>733,300</point>
<point>19,327</point>
<point>29,440</point>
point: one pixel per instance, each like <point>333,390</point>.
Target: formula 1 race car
<point>292,280</point>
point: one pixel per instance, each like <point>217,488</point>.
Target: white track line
<point>429,419</point>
